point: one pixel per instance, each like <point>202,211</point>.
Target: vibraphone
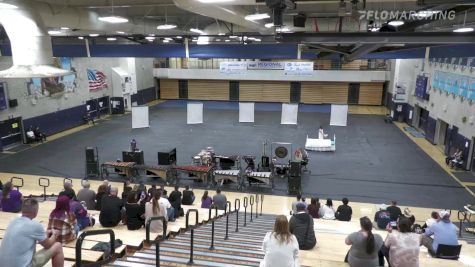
<point>155,170</point>
<point>202,172</point>
<point>261,177</point>
<point>232,175</point>
<point>122,168</point>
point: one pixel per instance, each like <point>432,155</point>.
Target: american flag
<point>97,80</point>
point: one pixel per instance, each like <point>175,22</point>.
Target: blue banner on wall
<point>459,85</point>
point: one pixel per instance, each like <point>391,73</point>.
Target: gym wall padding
<point>264,91</point>
<point>324,92</point>
<point>168,89</point>
<point>208,90</point>
<point>370,94</point>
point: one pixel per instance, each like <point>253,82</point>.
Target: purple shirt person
<point>10,199</point>
<point>206,201</point>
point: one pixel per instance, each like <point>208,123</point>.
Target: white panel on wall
<point>289,113</point>
<point>246,112</point>
<point>339,115</point>
<point>194,113</point>
<point>140,117</point>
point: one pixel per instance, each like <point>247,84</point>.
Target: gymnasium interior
<point>265,100</point>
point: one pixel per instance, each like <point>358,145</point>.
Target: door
<point>353,93</point>
<point>441,133</point>
<point>473,155</point>
<point>423,117</point>
<point>10,131</point>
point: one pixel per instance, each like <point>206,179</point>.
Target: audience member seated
<point>79,210</point>
<point>394,211</point>
<point>344,212</point>
<point>327,212</point>
<point>134,212</point>
<point>444,232</point>
<point>364,246</point>
<point>170,211</point>
<point>455,158</point>
<point>175,200</point>
<point>63,221</point>
<point>10,198</point>
<point>206,201</point>
<point>188,196</point>
<point>314,208</point>
<point>102,191</point>
<point>403,245</point>
<point>30,135</point>
<point>152,190</point>
<point>18,246</point>
<point>299,200</point>
<point>281,248</point>
<point>153,208</point>
<point>301,225</point>
<point>126,191</point>
<point>219,200</point>
<point>68,190</point>
<point>434,217</point>
<point>163,190</point>
<point>382,217</point>
<point>111,209</point>
<point>40,136</point>
<point>87,195</point>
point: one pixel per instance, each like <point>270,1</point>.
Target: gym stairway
<point>241,248</point>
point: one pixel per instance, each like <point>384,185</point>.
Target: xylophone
<point>202,172</point>
<point>155,170</point>
<point>122,168</point>
<point>261,177</point>
<point>222,175</point>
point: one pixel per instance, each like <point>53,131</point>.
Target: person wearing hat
<point>443,231</point>
<point>382,217</point>
<point>301,225</point>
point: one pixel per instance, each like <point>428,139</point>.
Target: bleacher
<point>241,248</point>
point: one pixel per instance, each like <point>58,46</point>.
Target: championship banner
<point>232,67</point>
<point>298,68</point>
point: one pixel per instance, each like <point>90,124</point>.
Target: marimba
<point>261,177</point>
<point>202,172</point>
<point>155,170</point>
<point>222,175</point>
<point>123,168</point>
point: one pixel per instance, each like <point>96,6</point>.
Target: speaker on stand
<point>295,178</point>
<point>92,162</point>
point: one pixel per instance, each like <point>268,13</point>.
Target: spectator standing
<point>281,248</point>
<point>382,217</point>
<point>301,225</point>
<point>314,208</point>
<point>87,195</point>
<point>344,212</point>
<point>175,200</point>
<point>153,208</point>
<point>111,209</point>
<point>327,212</point>
<point>10,198</point>
<point>19,242</point>
<point>134,212</point>
<point>188,196</point>
<point>394,211</point>
<point>206,201</point>
<point>444,232</point>
<point>364,246</point>
<point>219,200</point>
<point>403,245</point>
<point>62,221</point>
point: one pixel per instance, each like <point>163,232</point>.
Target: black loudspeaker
<point>167,158</point>
<point>12,103</point>
<point>295,168</point>
<point>136,156</point>
<point>92,169</point>
<point>295,183</point>
<point>299,20</point>
<point>90,157</point>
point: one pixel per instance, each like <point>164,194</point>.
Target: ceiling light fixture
<point>396,23</point>
<point>7,6</point>
<point>257,16</point>
<point>227,40</point>
<point>375,29</point>
<point>269,25</point>
<point>168,38</point>
<point>283,29</point>
<point>150,38</point>
<point>257,40</point>
<point>221,34</point>
<point>112,18</point>
<point>54,32</point>
<point>65,28</point>
<point>195,30</point>
<point>233,37</point>
<point>218,40</point>
<point>166,27</point>
<point>178,37</point>
<point>93,34</point>
<point>119,32</point>
<point>166,41</point>
<point>81,38</point>
<point>111,39</point>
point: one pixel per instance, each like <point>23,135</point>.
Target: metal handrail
<point>227,211</point>
<point>211,247</point>
<point>44,185</point>
<point>251,202</point>
<point>192,227</point>
<point>107,259</point>
<point>156,242</point>
<point>262,202</point>
<point>237,207</point>
<point>17,186</point>
<point>461,220</point>
<point>244,204</point>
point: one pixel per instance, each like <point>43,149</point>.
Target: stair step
<point>168,261</point>
<point>220,242</point>
<point>205,247</point>
<point>221,236</point>
<point>203,256</point>
<point>232,234</point>
<point>232,229</point>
